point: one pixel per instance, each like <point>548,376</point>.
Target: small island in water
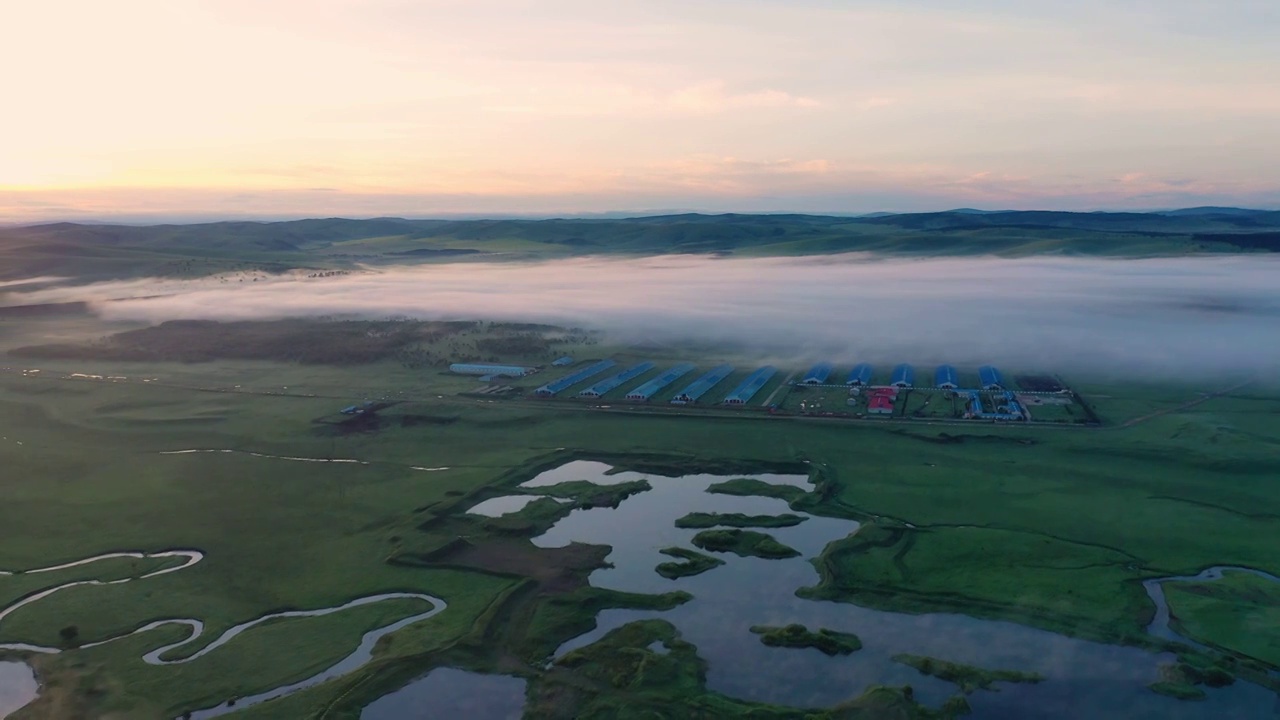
<point>795,635</point>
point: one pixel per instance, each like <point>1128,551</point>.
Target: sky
<point>1143,318</point>
<point>288,108</point>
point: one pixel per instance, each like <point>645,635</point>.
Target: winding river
<point>13,675</point>
<point>1084,679</point>
<point>250,453</point>
<point>1160,627</point>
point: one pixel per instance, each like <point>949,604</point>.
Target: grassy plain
<point>1051,527</point>
<point>1241,612</point>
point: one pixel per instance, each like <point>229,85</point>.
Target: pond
<point>499,506</point>
<point>447,694</point>
<point>18,686</point>
<point>1084,679</point>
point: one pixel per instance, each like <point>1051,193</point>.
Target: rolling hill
<point>114,251</point>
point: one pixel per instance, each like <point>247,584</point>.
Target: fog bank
<point>1171,315</point>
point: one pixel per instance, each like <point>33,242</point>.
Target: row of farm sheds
<point>945,377</point>
<point>644,392</point>
<point>903,376</point>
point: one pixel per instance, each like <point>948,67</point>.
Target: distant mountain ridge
<point>89,250</point>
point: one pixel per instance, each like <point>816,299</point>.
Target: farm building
<point>860,375</point>
<point>991,378</point>
<point>904,376</point>
<point>489,369</point>
<point>880,401</point>
<point>742,394</point>
<point>946,377</point>
<point>562,362</point>
<point>699,387</point>
<point>817,374</point>
<point>1007,408</point>
<point>574,378</point>
<point>614,381</point>
<point>649,389</point>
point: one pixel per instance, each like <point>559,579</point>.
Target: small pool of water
<point>499,506</point>
<point>581,470</point>
<point>450,694</point>
<point>18,686</point>
<point>1084,679</point>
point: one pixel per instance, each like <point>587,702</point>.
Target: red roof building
<point>880,401</point>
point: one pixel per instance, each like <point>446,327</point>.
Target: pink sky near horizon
<point>278,108</point>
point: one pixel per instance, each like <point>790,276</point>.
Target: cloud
<point>611,99</point>
<point>715,97</point>
<point>872,103</point>
<point>1191,316</point>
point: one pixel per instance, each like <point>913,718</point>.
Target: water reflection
<point>18,686</point>
<point>499,506</point>
<point>449,694</point>
<point>1084,679</point>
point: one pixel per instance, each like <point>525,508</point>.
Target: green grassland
<point>1240,612</point>
<point>1051,527</point>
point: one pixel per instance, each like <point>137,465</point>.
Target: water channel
<point>17,682</point>
<point>18,686</point>
<point>448,694</point>
<point>1084,679</point>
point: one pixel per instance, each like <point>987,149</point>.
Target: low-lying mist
<point>1195,315</point>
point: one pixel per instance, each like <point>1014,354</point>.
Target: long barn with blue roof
<point>614,381</point>
<point>742,394</point>
<point>654,386</point>
<point>991,378</point>
<point>817,374</point>
<point>946,377</point>
<point>904,376</point>
<point>490,369</point>
<point>574,378</point>
<point>860,374</point>
<point>699,387</point>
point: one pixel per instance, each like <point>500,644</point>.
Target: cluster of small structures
<point>992,400</point>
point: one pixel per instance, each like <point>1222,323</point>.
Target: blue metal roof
<point>946,376</point>
<point>561,362</point>
<point>742,394</point>
<point>699,387</point>
<point>574,378</point>
<point>647,390</point>
<point>614,381</point>
<point>817,374</point>
<point>489,369</point>
<point>990,377</point>
<point>860,375</point>
<point>903,375</point>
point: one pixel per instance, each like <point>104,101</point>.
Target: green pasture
<point>1054,527</point>
<point>1240,612</point>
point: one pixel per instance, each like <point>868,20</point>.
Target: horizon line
<point>196,218</point>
